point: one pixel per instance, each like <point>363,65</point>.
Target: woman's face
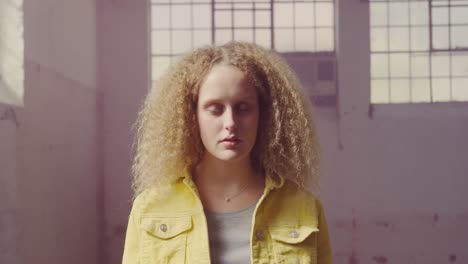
<point>227,113</point>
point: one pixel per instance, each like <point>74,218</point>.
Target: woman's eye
<point>215,109</point>
<point>243,107</point>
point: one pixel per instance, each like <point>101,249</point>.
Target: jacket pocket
<point>294,244</point>
<point>164,239</point>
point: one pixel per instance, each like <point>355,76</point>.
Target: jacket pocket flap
<point>292,235</point>
<point>166,227</point>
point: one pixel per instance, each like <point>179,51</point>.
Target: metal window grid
<point>432,54</point>
<point>231,8</point>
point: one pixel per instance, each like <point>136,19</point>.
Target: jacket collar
<point>270,182</point>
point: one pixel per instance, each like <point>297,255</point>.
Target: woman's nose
<point>229,120</point>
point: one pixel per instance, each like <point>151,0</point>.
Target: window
<point>11,52</point>
<point>179,26</point>
<point>419,51</point>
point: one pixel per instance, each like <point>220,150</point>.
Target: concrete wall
<point>49,148</point>
<point>395,175</point>
<point>123,48</point>
<point>7,185</point>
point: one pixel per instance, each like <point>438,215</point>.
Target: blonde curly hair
<point>167,137</point>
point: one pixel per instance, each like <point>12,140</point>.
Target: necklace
<point>229,198</point>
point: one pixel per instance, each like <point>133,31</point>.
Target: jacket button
<point>259,235</point>
<point>163,227</point>
<point>294,234</point>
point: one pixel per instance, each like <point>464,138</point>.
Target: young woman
<point>225,146</point>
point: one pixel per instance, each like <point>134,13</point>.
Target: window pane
<point>420,90</point>
<point>239,5</point>
<point>379,91</point>
<point>222,36</point>
<point>419,39</point>
<point>440,3</point>
<point>283,15</point>
<point>399,39</point>
<point>325,39</point>
<point>460,89</point>
<point>201,38</point>
<point>243,35</point>
<point>420,65</point>
<point>181,16</point>
<point>305,40</point>
<point>440,66</point>
<point>419,13</point>
<point>459,15</point>
<point>459,37</point>
<point>304,14</point>
<point>398,12</point>
<point>243,19</point>
<point>160,17</point>
<point>159,66</point>
<point>263,38</point>
<point>399,65</point>
<point>400,91</point>
<point>261,4</point>
<point>262,19</point>
<point>160,43</point>
<point>378,14</point>
<point>223,19</point>
<point>379,39</point>
<point>324,12</point>
<point>181,41</point>
<point>440,16</point>
<point>460,64</point>
<point>283,40</point>
<point>440,37</point>
<point>441,90</point>
<point>379,65</point>
<point>202,16</point>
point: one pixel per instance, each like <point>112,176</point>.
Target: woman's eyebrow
<point>249,98</point>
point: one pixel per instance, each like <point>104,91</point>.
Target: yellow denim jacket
<point>288,226</point>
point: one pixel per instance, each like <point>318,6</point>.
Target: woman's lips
<point>231,143</point>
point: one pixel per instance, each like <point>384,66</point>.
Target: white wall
<point>395,175</point>
<point>7,185</point>
<point>50,149</point>
<point>123,48</point>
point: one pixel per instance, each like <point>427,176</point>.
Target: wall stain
<point>380,259</point>
<point>435,219</point>
<point>353,259</point>
<point>9,113</point>
<point>340,224</point>
<point>120,230</point>
<point>382,224</point>
<point>370,111</point>
<point>354,220</point>
<point>453,258</point>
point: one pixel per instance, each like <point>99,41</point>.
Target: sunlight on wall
<point>11,52</point>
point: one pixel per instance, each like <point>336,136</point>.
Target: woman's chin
<point>230,155</point>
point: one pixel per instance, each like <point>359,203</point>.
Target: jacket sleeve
<point>324,246</point>
<point>132,238</point>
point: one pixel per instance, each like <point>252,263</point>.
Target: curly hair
<point>167,137</point>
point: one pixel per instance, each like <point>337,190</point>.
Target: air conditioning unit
<point>317,73</point>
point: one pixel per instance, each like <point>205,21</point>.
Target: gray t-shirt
<point>229,235</point>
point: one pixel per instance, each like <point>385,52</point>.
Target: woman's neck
<point>227,186</point>
<point>222,175</point>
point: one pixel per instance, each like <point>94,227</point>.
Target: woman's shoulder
<point>175,198</point>
<point>291,194</point>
